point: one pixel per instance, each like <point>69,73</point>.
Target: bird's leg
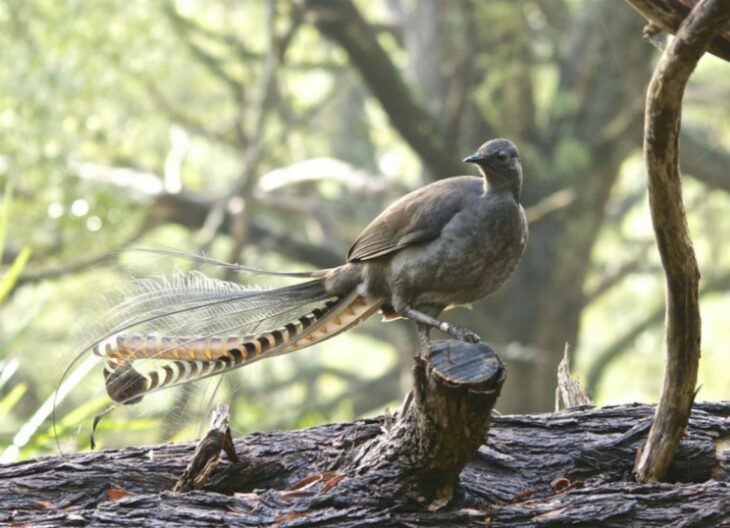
<point>424,320</point>
<point>423,337</point>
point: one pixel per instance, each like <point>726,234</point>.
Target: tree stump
<point>421,455</point>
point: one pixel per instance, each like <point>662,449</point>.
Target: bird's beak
<point>474,158</point>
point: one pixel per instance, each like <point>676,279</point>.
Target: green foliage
<point>572,158</point>
<point>11,399</point>
<point>106,103</point>
<point>8,279</point>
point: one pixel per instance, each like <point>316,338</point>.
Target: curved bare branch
<point>661,142</point>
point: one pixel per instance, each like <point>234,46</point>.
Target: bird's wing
<point>417,217</point>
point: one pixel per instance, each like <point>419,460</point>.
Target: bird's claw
<point>471,337</point>
<point>463,334</point>
<point>459,332</point>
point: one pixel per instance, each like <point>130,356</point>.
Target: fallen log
<point>572,467</point>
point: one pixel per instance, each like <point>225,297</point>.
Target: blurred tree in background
<point>270,132</point>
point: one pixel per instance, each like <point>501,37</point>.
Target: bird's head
<point>499,161</point>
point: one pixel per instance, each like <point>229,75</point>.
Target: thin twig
<point>569,392</point>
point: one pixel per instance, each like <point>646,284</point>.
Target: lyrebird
<point>452,242</point>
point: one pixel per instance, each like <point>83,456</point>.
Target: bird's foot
<point>460,333</point>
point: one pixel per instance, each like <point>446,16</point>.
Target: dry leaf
<point>331,483</point>
<point>115,493</point>
<point>289,516</point>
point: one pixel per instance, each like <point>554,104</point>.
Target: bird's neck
<point>511,183</point>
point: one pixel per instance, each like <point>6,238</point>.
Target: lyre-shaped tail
<point>195,358</point>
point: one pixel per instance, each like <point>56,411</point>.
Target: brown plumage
<point>451,242</point>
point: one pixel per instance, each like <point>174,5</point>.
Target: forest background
<point>271,132</point>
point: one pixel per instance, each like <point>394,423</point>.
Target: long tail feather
<point>204,259</point>
<point>126,385</point>
<point>202,311</point>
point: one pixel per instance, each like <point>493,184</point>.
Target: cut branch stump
<point>439,432</point>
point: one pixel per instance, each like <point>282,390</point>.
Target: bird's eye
<point>502,155</point>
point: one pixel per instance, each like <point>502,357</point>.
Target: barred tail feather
<point>205,357</point>
<point>202,306</point>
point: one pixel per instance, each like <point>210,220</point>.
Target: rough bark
<point>569,392</point>
<point>567,468</point>
<point>207,455</point>
<point>661,142</point>
<point>423,453</point>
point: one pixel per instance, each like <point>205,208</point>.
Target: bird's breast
<point>474,255</point>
